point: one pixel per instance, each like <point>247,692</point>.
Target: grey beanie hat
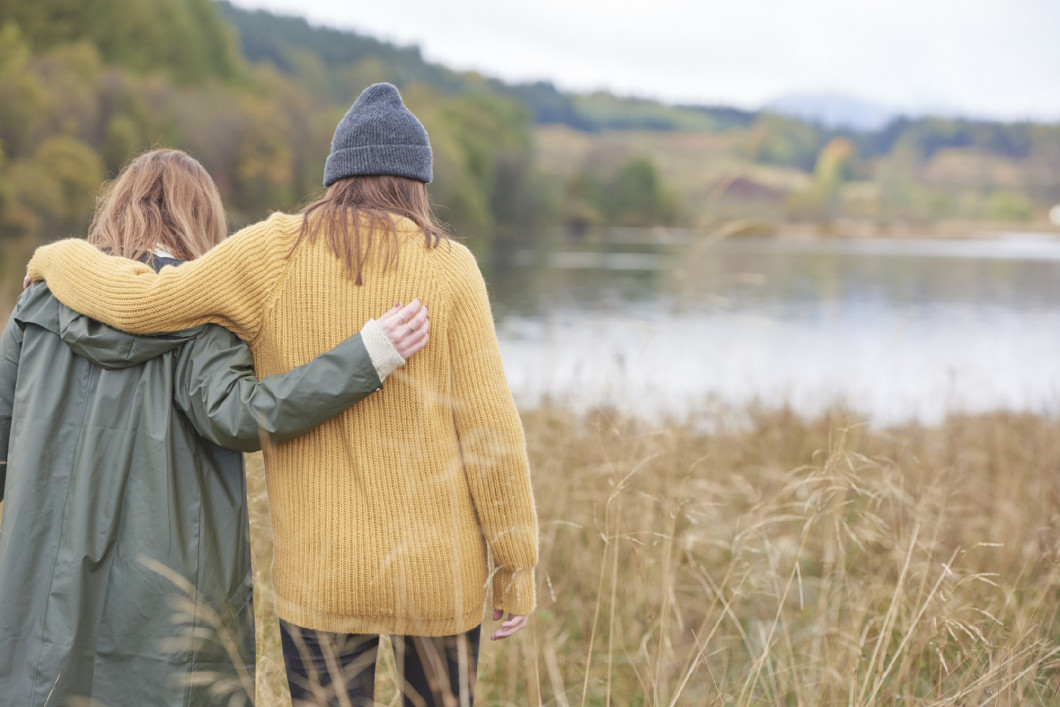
<point>379,135</point>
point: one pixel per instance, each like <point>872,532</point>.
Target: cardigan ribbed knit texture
<point>382,515</point>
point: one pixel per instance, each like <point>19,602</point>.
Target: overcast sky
<point>988,58</point>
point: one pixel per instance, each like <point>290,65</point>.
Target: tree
<point>635,196</point>
<point>55,189</point>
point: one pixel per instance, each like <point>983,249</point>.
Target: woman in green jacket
<point>125,574</point>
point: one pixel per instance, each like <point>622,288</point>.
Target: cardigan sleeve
<point>230,285</point>
<point>491,438</point>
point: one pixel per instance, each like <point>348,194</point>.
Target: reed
<point>768,559</point>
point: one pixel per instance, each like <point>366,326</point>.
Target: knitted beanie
<point>379,135</point>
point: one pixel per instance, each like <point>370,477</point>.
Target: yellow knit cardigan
<point>381,516</point>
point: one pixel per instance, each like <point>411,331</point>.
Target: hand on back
<point>406,326</point>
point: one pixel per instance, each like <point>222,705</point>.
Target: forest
<point>86,84</point>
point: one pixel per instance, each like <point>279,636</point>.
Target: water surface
<point>895,329</point>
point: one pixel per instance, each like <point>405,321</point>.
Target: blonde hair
<point>161,199</point>
<point>376,199</point>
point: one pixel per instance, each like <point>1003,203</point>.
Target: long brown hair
<point>163,198</point>
<point>375,200</point>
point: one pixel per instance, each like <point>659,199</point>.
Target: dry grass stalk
<point>785,561</point>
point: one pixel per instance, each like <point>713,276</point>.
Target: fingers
<point>26,282</point>
<point>514,624</point>
<point>391,321</point>
<point>419,319</point>
<point>409,341</point>
<point>411,316</point>
<point>409,310</point>
<point>406,326</point>
<point>403,312</point>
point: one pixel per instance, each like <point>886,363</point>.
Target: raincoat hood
<point>106,347</point>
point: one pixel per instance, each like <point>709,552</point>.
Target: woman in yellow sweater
<point>382,516</point>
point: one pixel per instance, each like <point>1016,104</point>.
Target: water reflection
<point>895,329</point>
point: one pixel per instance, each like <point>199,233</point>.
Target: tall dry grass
<point>776,561</point>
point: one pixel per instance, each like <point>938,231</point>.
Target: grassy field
<point>955,191</point>
<point>774,560</point>
<point>690,163</point>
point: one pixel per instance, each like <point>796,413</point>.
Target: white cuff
<point>384,356</point>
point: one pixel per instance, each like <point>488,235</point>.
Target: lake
<point>674,322</point>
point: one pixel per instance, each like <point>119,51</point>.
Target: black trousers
<point>432,671</point>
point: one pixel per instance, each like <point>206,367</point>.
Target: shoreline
<point>720,418</point>
<point>746,229</point>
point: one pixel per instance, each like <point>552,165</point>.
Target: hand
<point>514,624</point>
<point>406,327</point>
<point>26,282</point>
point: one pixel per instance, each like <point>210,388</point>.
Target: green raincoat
<point>124,553</point>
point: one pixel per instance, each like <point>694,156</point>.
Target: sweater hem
<point>307,617</point>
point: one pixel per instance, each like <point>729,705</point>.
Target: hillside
<point>299,49</point>
<point>186,39</point>
<point>709,164</point>
<point>85,84</point>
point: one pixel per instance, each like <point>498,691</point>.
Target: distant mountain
<point>834,110</point>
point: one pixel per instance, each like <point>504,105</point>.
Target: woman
<point>381,516</point>
<point>125,571</point>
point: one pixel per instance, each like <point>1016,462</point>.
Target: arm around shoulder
<point>228,405</point>
<point>230,285</point>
